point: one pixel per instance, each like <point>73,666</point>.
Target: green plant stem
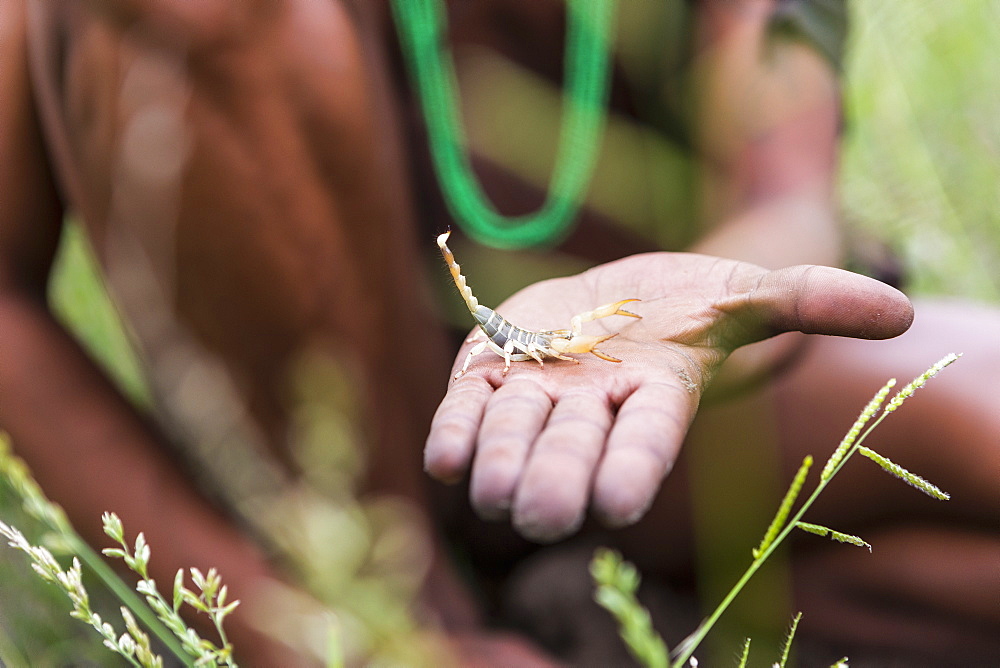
<point>686,649</point>
<point>95,562</point>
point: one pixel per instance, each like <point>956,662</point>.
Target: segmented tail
<point>456,273</point>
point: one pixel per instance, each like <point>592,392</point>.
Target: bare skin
<point>548,442</point>
<point>275,218</point>
<point>543,448</point>
<point>212,261</point>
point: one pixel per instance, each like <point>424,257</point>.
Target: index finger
<point>455,427</point>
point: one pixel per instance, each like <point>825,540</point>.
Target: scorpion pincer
<point>515,344</point>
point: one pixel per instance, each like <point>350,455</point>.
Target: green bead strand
<point>421,25</point>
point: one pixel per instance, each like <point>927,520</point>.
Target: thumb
<point>817,300</point>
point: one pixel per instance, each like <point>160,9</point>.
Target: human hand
<point>544,443</point>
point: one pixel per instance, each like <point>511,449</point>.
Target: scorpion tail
<point>456,273</point>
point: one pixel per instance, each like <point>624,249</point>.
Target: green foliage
<point>617,582</point>
<point>362,561</point>
<point>167,624</point>
<point>818,530</point>
<point>909,478</point>
<point>785,508</point>
<point>786,648</point>
<point>745,654</point>
<point>33,628</point>
<point>852,434</point>
<point>919,171</point>
<point>134,645</point>
<point>210,599</point>
<point>79,300</point>
<point>922,153</point>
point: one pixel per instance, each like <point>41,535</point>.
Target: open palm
<point>544,443</point>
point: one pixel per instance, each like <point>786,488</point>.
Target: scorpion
<point>516,344</point>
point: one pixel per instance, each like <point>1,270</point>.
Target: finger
<point>454,428</point>
<point>551,498</point>
<point>514,416</point>
<point>642,447</point>
<point>822,300</point>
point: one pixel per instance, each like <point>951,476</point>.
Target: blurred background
<point>920,174</point>
<point>921,164</point>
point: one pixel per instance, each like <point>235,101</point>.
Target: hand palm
<point>544,442</point>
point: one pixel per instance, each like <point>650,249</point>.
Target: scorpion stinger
<point>515,344</point>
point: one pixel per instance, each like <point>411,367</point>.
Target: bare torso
<point>246,183</point>
<point>247,187</point>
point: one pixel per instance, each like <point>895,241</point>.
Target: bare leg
<point>931,585</point>
<point>931,592</point>
<point>935,568</point>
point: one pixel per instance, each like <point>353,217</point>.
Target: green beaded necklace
<point>421,24</point>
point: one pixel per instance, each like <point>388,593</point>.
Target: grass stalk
<point>52,516</point>
<point>848,447</point>
<point>96,563</point>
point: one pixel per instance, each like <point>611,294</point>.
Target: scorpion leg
<point>576,324</point>
<point>536,353</point>
<point>508,350</point>
<point>475,336</point>
<point>552,352</point>
<point>472,353</point>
